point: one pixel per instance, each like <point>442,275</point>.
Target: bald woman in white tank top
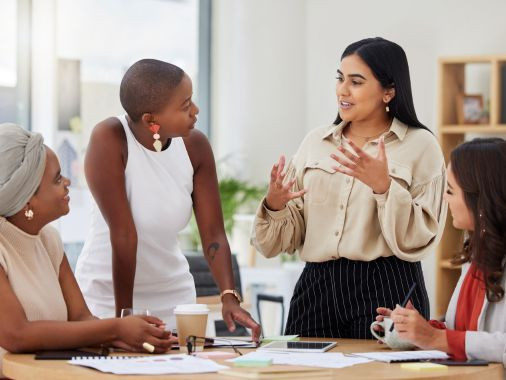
<point>146,170</point>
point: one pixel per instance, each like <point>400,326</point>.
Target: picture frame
<point>470,108</point>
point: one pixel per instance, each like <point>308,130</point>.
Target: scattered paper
<point>150,365</point>
<point>403,356</point>
<point>222,342</point>
<point>324,360</point>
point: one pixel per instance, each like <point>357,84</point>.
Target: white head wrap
<point>22,163</point>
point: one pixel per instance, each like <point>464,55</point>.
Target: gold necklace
<point>368,138</point>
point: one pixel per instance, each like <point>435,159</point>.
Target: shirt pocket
<point>400,173</point>
<point>318,180</point>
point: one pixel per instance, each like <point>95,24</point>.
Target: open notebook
<point>403,356</point>
<point>149,365</point>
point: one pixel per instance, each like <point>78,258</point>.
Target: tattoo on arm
<point>212,250</point>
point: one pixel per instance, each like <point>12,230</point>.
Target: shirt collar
<point>397,127</point>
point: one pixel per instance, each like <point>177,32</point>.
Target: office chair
<point>205,287</point>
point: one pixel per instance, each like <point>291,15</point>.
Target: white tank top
<point>159,187</point>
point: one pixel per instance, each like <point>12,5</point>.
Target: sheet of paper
<point>401,356</point>
<point>324,360</point>
<point>151,365</point>
<point>226,342</point>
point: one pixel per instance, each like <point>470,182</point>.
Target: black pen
<point>406,300</point>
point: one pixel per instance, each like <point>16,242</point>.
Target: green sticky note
<point>258,362</point>
<point>280,338</point>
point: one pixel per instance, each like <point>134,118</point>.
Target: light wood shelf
<point>477,128</point>
<point>452,83</point>
<point>447,264</point>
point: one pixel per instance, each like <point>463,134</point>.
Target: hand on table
<point>233,312</point>
<point>134,331</point>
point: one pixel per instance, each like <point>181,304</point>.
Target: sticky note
<point>257,362</point>
<point>423,366</point>
<point>215,355</point>
<point>280,338</point>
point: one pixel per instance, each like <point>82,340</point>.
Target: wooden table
<point>25,367</point>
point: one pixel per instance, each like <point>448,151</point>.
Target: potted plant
<point>237,196</point>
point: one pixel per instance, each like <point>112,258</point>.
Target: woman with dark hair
<point>475,326</point>
<point>362,200</point>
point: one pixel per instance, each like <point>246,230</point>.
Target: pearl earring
<point>387,108</point>
<point>29,214</point>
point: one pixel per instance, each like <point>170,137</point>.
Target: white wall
<point>258,82</point>
<point>274,65</point>
<point>426,30</point>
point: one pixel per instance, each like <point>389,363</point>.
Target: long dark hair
<point>478,167</point>
<point>389,65</point>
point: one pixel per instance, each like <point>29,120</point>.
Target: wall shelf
<point>452,83</point>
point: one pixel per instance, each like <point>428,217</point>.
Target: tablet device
<point>299,346</point>
<point>472,362</point>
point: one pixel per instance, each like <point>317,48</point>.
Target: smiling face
<point>51,200</point>
<point>179,115</point>
<point>454,195</point>
<point>360,95</point>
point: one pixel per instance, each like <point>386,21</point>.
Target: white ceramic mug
<point>390,338</point>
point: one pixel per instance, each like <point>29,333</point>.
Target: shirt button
<point>336,233</point>
<point>341,207</point>
<point>393,170</point>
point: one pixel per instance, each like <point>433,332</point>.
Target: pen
<point>406,300</point>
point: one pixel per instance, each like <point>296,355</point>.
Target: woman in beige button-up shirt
<point>362,200</point>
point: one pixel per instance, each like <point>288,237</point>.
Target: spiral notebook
<point>403,356</point>
<point>66,354</point>
<point>149,365</point>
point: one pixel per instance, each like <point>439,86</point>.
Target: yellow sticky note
<point>423,366</point>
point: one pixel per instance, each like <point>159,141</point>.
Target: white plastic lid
<point>195,308</point>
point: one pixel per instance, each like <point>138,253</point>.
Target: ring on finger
<point>148,347</point>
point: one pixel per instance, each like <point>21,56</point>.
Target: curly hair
<point>479,168</point>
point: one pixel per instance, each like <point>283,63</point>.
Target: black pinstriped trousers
<point>338,298</point>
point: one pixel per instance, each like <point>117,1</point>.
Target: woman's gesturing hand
<point>373,171</point>
<point>279,194</point>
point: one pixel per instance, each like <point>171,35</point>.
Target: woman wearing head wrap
<point>42,306</point>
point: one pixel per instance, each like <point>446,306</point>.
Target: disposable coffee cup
<point>191,320</point>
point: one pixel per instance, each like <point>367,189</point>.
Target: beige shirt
<point>32,264</point>
<point>340,216</point>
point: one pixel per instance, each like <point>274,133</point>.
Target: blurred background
<point>264,75</point>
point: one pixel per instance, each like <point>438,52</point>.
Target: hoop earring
<point>29,214</point>
<point>157,144</point>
